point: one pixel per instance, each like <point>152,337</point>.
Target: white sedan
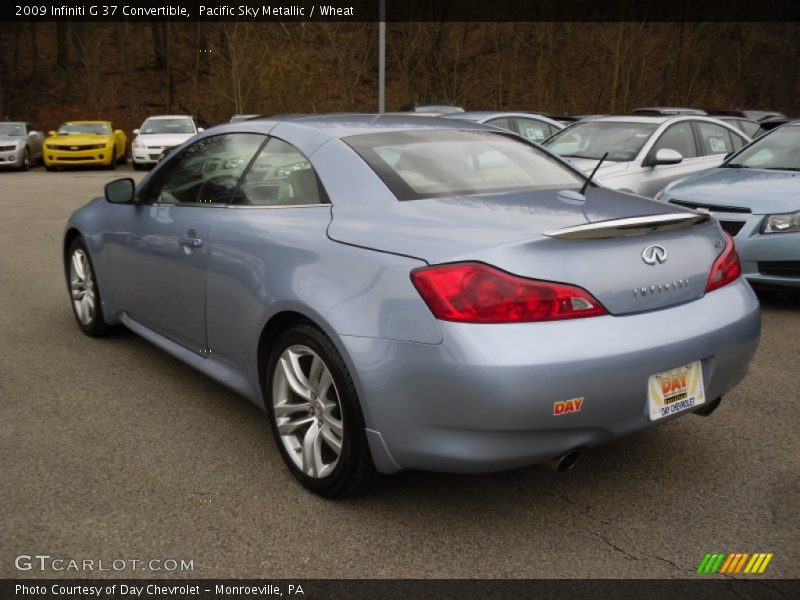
<point>159,134</point>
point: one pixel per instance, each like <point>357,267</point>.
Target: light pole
<point>381,56</point>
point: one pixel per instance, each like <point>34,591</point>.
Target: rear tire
<point>310,389</point>
<point>83,291</point>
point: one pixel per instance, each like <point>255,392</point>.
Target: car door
<point>715,142</point>
<point>276,224</point>
<point>679,137</point>
<point>159,248</point>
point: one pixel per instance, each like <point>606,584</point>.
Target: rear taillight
<point>726,268</point>
<point>478,293</point>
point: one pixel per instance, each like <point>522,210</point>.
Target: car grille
<point>6,148</point>
<point>712,207</point>
<point>76,148</point>
<point>732,227</point>
<point>780,268</point>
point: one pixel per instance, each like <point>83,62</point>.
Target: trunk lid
<point>510,231</point>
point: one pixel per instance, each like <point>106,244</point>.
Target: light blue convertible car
<point>755,194</point>
<point>415,293</point>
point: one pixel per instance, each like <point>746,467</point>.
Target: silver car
<point>415,293</point>
<point>20,145</point>
<point>646,153</point>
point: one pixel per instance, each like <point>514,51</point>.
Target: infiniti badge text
<point>661,287</point>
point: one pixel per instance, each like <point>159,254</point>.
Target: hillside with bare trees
<point>124,71</point>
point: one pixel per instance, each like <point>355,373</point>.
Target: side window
<point>501,122</point>
<point>281,175</point>
<point>678,137</point>
<point>532,130</point>
<point>750,128</point>
<point>714,139</point>
<point>205,172</point>
<point>738,141</point>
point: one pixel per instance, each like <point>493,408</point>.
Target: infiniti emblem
<point>654,254</point>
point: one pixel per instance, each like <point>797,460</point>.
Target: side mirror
<point>135,132</point>
<point>33,133</point>
<point>51,133</point>
<point>118,132</point>
<point>666,156</point>
<point>120,191</point>
<point>200,129</point>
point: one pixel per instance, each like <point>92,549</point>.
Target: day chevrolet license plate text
<point>676,390</point>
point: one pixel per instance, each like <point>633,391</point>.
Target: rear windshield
<point>436,163</point>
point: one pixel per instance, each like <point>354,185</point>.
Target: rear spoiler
<point>629,226</point>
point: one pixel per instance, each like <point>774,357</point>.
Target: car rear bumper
<point>483,399</point>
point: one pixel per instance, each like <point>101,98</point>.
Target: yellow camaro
<point>82,143</point>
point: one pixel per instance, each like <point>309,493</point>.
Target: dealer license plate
<point>676,390</point>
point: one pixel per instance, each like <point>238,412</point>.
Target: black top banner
<point>403,10</point>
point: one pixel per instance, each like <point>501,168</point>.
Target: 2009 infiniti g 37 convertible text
<point>414,293</point>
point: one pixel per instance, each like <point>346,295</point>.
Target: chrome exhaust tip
<point>565,462</point>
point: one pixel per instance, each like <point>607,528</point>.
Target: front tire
<point>315,414</point>
<point>112,164</point>
<point>26,161</point>
<point>83,291</point>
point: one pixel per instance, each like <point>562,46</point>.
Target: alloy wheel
<point>308,411</point>
<point>81,285</point>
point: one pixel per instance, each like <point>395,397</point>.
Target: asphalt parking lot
<point>113,449</point>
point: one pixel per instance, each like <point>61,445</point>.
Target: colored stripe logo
<point>731,563</point>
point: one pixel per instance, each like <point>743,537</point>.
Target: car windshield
<point>95,128</point>
<point>779,150</point>
<point>12,129</point>
<point>592,139</point>
<point>167,126</point>
<point>436,163</point>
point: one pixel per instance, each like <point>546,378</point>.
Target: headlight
<point>138,144</point>
<point>783,223</point>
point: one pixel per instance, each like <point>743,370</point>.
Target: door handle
<point>190,242</point>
